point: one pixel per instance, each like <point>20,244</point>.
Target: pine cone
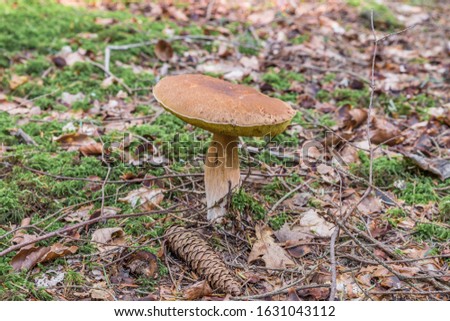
<point>201,258</point>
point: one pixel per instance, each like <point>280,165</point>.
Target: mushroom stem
<point>222,174</point>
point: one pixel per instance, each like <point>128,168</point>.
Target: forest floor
<point>93,171</point>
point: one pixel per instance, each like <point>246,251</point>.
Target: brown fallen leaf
<point>163,50</point>
<point>104,21</point>
<point>101,294</point>
<point>73,141</point>
<point>383,132</point>
<point>310,225</point>
<point>265,249</point>
<point>369,205</point>
<point>292,295</point>
<point>297,250</point>
<point>176,13</point>
<point>438,166</point>
<point>92,149</point>
<point>197,290</point>
<point>351,117</point>
<point>79,215</point>
<point>17,81</point>
<point>28,257</point>
<point>144,197</point>
<point>18,106</point>
<point>143,263</point>
<point>69,99</point>
<point>107,238</point>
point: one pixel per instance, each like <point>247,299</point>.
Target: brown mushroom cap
<point>222,107</point>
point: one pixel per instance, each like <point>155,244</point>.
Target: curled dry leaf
<point>310,225</point>
<point>143,263</point>
<point>104,21</point>
<point>144,197</point>
<point>163,50</point>
<point>292,295</point>
<point>438,166</point>
<point>107,238</point>
<point>197,290</point>
<point>28,257</point>
<point>73,141</point>
<point>18,106</point>
<point>79,215</point>
<point>101,294</point>
<point>369,205</point>
<point>92,149</point>
<point>69,99</point>
<point>17,81</point>
<point>383,132</point>
<point>265,249</point>
<point>351,117</point>
<point>297,250</point>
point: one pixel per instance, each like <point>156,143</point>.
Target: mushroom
<point>228,111</point>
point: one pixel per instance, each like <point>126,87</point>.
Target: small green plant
<point>283,79</point>
<point>444,209</point>
<point>245,203</point>
<point>73,278</point>
<point>277,221</point>
<point>429,231</point>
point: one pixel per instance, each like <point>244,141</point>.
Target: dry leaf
<point>143,263</point>
<point>262,18</point>
<point>197,290</point>
<point>17,81</point>
<point>351,117</point>
<point>106,235</point>
<point>144,197</point>
<point>101,294</point>
<point>69,99</point>
<point>265,249</point>
<point>28,257</point>
<point>107,238</point>
<point>438,166</point>
<point>92,149</point>
<point>79,215</point>
<point>310,225</point>
<point>104,21</point>
<point>292,295</point>
<point>383,132</point>
<point>163,50</point>
<point>369,205</point>
<point>177,14</point>
<point>18,106</point>
<point>297,250</point>
<point>73,141</point>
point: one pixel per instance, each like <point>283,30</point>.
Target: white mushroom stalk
<point>222,174</point>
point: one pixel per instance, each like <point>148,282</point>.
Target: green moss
<point>34,67</point>
<point>73,278</point>
<point>323,95</point>
<point>17,287</point>
<point>328,78</point>
<point>298,40</point>
<point>426,231</point>
<point>282,80</point>
<point>444,209</point>
<point>418,187</point>
<point>383,17</point>
<point>247,204</point>
<point>401,105</point>
<point>356,98</point>
<point>277,221</point>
